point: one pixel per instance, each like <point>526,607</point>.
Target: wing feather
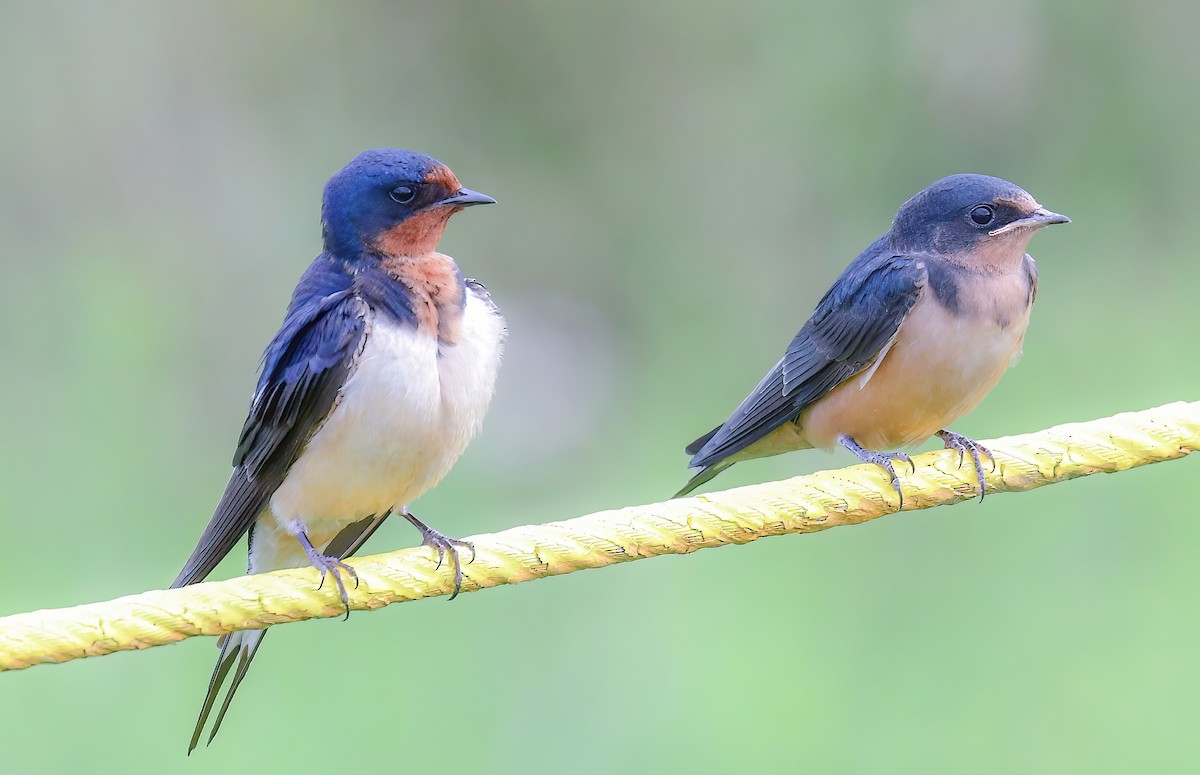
<point>303,371</point>
<point>849,328</point>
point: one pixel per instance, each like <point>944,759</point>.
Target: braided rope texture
<point>804,504</point>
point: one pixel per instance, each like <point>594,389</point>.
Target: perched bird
<point>911,337</point>
<point>378,379</point>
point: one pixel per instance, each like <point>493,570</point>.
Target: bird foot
<point>977,451</point>
<point>443,545</point>
<point>329,566</point>
<point>881,459</point>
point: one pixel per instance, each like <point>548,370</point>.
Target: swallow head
<point>976,217</point>
<point>391,202</point>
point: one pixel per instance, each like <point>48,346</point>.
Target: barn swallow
<point>378,379</point>
<point>911,337</point>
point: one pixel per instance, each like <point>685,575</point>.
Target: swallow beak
<point>1035,220</point>
<point>465,197</point>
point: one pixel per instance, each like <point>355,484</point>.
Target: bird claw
<point>882,459</point>
<point>330,566</point>
<point>977,451</point>
<point>443,545</point>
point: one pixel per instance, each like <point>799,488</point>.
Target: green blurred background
<point>678,186</point>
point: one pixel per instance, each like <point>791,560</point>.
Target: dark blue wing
<point>851,325</point>
<point>304,367</point>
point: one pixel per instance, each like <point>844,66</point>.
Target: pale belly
<point>405,416</point>
<point>939,367</point>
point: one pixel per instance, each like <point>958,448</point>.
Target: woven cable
<point>804,504</point>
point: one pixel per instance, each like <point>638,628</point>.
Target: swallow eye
<point>403,194</point>
<point>982,215</point>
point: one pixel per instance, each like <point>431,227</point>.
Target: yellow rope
<point>804,504</point>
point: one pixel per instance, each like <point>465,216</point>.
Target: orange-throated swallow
<point>910,338</point>
<point>378,379</point>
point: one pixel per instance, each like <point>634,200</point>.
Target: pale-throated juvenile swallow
<point>910,338</point>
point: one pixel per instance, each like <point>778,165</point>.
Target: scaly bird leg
<point>977,451</point>
<point>442,545</point>
<point>331,566</point>
<point>882,459</point>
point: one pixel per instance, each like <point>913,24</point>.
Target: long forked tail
<point>239,647</point>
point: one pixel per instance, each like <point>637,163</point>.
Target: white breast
<point>405,415</point>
